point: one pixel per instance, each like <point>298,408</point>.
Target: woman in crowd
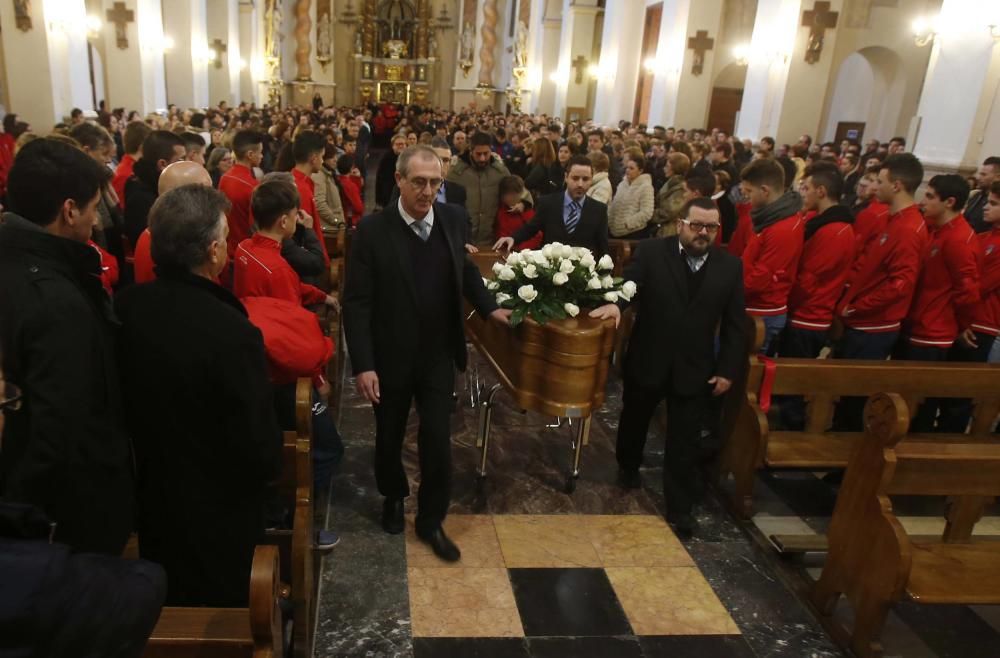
<point>219,162</point>
<point>632,207</point>
<point>671,196</point>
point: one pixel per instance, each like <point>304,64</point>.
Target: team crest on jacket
<point>883,239</point>
<point>934,251</point>
<point>989,249</point>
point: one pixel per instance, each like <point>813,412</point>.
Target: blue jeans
<point>773,325</point>
<point>797,343</point>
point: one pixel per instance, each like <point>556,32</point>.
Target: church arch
<point>727,97</point>
<point>869,89</point>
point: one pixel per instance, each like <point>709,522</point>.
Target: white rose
<point>565,251</point>
<point>587,260</point>
<point>548,251</point>
<point>507,274</point>
<point>572,310</point>
<point>502,297</point>
<point>492,285</point>
<point>530,271</point>
<point>606,263</point>
<point>559,278</point>
<point>566,266</point>
<point>611,296</point>
<point>580,252</point>
<point>594,284</point>
<point>513,259</point>
<point>607,282</point>
<point>497,267</point>
<point>527,293</point>
<point>539,259</point>
<point>628,290</point>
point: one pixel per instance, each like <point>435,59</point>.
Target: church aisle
<point>544,573</point>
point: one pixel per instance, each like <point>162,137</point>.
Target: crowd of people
<point>160,278</point>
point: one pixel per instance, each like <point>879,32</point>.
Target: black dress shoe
<point>443,547</point>
<point>392,516</point>
<point>684,525</point>
<point>629,479</point>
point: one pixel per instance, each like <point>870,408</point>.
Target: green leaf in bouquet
<point>517,317</point>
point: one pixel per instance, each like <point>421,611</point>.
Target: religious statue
<point>323,39</point>
<point>521,46</point>
<point>432,45</point>
<point>22,14</point>
<point>467,44</point>
<point>358,43</point>
<point>272,23</point>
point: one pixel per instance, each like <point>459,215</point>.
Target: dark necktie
<point>573,216</point>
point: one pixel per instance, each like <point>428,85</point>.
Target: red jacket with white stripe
<point>947,292</point>
<point>238,185</point>
<point>881,288</point>
<point>260,270</point>
<point>770,263</point>
<point>987,316</point>
<point>744,229</point>
<point>870,223</point>
<point>823,269</point>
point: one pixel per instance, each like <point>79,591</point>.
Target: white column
<point>135,75</point>
<point>188,61</point>
<point>223,23</point>
<point>47,72</point>
<point>679,97</point>
<point>544,38</point>
<point>576,40</point>
<point>249,53</point>
<point>621,49</point>
<point>960,88</point>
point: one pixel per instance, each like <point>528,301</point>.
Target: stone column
<point>224,72</point>
<point>250,53</point>
<point>776,64</point>
<point>47,70</point>
<point>681,98</point>
<point>576,44</point>
<point>621,50</point>
<point>958,118</point>
<point>187,63</point>
<point>544,40</point>
<point>468,56</point>
<point>133,68</point>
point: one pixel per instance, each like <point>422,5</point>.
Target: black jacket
<point>385,178</point>
<point>65,450</point>
<point>140,195</point>
<point>380,296</point>
<point>200,409</point>
<point>673,340</point>
<point>304,253</point>
<point>591,232</point>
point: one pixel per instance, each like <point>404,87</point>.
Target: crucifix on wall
<point>700,44</point>
<point>580,65</point>
<point>818,20</point>
<point>121,16</point>
<point>219,48</point>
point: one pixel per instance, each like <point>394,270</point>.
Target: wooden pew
<point>871,559</point>
<point>753,445</point>
<point>253,632</point>
<point>621,253</point>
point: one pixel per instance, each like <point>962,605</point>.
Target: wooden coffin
<point>557,369</point>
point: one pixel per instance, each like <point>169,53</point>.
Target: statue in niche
<point>358,43</point>
<point>521,46</point>
<point>468,41</point>
<point>272,21</point>
<point>22,14</point>
<point>323,39</point>
<point>432,45</point>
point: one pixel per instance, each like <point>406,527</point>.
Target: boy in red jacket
<point>771,257</point>
<point>350,190</point>
<point>512,215</point>
<point>881,288</point>
<point>259,269</point>
<point>239,183</point>
<point>308,149</point>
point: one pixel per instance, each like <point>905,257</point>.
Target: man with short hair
<point>722,161</point>
<point>479,171</point>
<point>403,322</point>
<point>66,450</point>
<point>771,257</point>
<point>194,147</point>
<point>459,143</point>
<point>239,183</point>
<point>987,174</point>
<point>308,149</point>
<point>897,145</point>
<point>135,133</point>
<point>160,149</point>
<point>571,218</point>
<point>687,290</point>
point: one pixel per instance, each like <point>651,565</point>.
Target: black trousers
<point>685,416</point>
<point>925,416</point>
<point>956,412</point>
<point>855,344</point>
<point>430,385</point>
<point>798,344</point>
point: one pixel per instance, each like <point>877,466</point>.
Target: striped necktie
<point>421,229</point>
<point>573,216</point>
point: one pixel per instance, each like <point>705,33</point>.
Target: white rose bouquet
<point>555,282</point>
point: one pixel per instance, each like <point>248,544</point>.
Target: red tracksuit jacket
<point>307,202</point>
<point>823,269</point>
<point>122,173</point>
<point>238,185</point>
<point>350,198</point>
<point>947,293</point>
<point>881,287</point>
<point>987,316</point>
<point>744,229</point>
<point>870,223</point>
<point>109,268</point>
<point>143,255</point>
<point>260,270</point>
<point>770,263</point>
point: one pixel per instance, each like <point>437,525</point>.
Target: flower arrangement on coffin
<point>554,282</point>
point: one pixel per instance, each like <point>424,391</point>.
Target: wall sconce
<point>558,76</point>
<point>650,65</point>
<point>594,71</point>
<point>924,31</point>
<point>243,65</point>
<point>742,54</point>
<point>94,26</point>
<point>995,32</point>
<point>166,44</point>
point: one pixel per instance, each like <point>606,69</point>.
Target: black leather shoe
<point>684,525</point>
<point>629,479</point>
<point>443,547</point>
<point>392,516</point>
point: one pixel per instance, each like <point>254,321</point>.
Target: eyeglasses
<point>698,227</point>
<point>11,398</point>
<point>421,183</point>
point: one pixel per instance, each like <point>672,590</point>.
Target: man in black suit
<point>686,288</point>
<point>403,320</point>
<point>571,217</point>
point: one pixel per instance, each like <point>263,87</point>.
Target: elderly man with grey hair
<point>403,318</point>
<point>199,407</point>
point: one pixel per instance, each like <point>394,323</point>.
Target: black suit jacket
<point>453,193</point>
<point>673,340</point>
<point>591,232</point>
<point>380,298</point>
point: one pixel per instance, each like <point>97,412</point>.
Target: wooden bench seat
<point>871,561</point>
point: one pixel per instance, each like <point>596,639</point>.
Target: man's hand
<point>501,315</point>
<point>503,244</point>
<point>517,207</point>
<point>305,219</point>
<point>332,302</point>
<point>607,312</point>
<point>721,385</point>
<point>471,249</point>
<point>968,338</point>
<point>324,390</point>
<point>367,383</point>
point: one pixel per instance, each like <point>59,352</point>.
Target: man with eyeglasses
<point>403,323</point>
<point>686,288</point>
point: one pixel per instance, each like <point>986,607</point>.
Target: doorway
<point>650,39</point>
<point>722,111</point>
<point>853,130</point>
